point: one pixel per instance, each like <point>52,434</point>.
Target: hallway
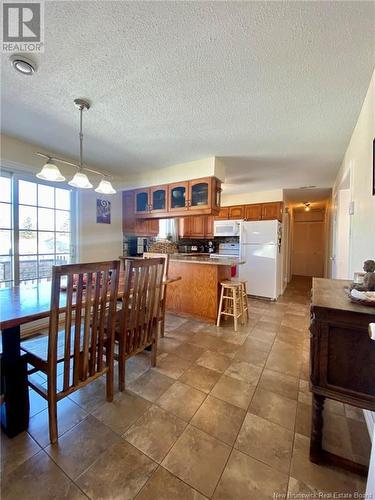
<point>224,415</point>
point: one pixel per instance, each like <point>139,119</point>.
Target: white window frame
<point>15,178</point>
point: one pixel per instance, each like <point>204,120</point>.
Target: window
<point>36,229</point>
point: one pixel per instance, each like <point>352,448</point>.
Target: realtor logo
<point>23,26</point>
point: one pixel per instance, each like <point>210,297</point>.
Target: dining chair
<point>138,320</point>
<point>165,256</point>
<point>80,334</point>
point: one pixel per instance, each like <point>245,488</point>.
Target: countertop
<point>205,259</point>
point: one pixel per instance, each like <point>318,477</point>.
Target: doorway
<point>308,243</point>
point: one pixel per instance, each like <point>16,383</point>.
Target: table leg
<point>15,408</point>
<point>316,450</point>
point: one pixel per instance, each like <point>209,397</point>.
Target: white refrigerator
<point>260,245</point>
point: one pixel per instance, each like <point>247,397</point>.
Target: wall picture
<point>103,211</point>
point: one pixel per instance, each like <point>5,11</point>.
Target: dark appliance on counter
<point>191,248</point>
<point>136,246</point>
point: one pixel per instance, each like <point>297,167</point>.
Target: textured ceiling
<point>273,88</point>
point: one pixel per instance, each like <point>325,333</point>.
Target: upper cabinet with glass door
<point>195,197</point>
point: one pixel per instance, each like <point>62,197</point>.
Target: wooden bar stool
<point>232,298</point>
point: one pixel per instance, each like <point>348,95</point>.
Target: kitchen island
<point>197,294</point>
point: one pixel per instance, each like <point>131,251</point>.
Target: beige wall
<point>255,197</point>
<point>358,159</point>
<point>95,241</point>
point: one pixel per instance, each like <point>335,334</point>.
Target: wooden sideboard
<point>342,360</point>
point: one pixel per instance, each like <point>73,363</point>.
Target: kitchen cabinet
<point>198,195</point>
<point>178,196</point>
<point>131,225</point>
<point>151,200</point>
<point>236,212</point>
<point>272,211</point>
<point>199,226</point>
<point>223,214</point>
<point>158,199</point>
<point>253,212</point>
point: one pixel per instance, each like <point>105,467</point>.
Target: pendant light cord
<point>80,139</point>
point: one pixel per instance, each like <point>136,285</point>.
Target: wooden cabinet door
<point>200,194</point>
<point>158,199</point>
<point>253,212</point>
<point>236,212</point>
<point>142,201</point>
<point>272,211</point>
<point>198,226</point>
<point>177,196</point>
<point>153,227</point>
<point>128,217</point>
<point>184,227</point>
<point>209,231</point>
<point>223,213</point>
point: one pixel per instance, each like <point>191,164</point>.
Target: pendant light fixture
<point>80,180</point>
<point>50,171</point>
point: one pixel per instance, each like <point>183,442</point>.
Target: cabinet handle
<point>149,208</point>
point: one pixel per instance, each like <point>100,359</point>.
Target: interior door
<point>308,249</point>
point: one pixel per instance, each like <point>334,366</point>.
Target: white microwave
<point>227,227</point>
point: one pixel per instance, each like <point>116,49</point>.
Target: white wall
<point>99,241</point>
<point>95,241</point>
<point>358,158</point>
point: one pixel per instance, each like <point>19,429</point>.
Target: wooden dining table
<point>20,305</point>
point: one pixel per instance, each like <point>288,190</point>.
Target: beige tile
<point>15,451</point>
<point>303,419</point>
<point>136,366</point>
<point>255,343</point>
<point>181,400</point>
<point>251,355</point>
<point>219,419</point>
<point>236,338</point>
<point>336,437</point>
<point>168,344</point>
<point>262,335</point>
<point>37,403</point>
<point>285,385</point>
<point>76,450</point>
<point>297,489</point>
<point>360,441</point>
<point>227,348</point>
<point>266,441</point>
<point>285,363</point>
<point>155,432</point>
<point>198,459</point>
<point>91,396</point>
<point>214,361</point>
<point>267,326</point>
<point>122,412</point>
<point>206,340</point>
<point>189,352</point>
<point>244,371</point>
<point>321,476</point>
<point>163,485</point>
<point>39,477</point>
<point>274,408</point>
<point>200,377</point>
<point>331,406</point>
<point>151,385</point>
<point>245,478</point>
<point>119,473</point>
<point>172,366</point>
<point>233,391</point>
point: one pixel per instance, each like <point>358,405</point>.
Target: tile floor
<point>224,415</point>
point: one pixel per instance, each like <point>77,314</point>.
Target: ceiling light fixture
<point>50,171</point>
<point>307,206</point>
<point>23,64</point>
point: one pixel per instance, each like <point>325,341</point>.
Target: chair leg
<point>235,308</point>
<point>220,306</point>
<point>154,350</point>
<point>121,366</point>
<point>109,383</point>
<point>52,418</point>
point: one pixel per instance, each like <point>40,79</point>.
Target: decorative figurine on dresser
<point>368,277</point>
<point>342,358</point>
